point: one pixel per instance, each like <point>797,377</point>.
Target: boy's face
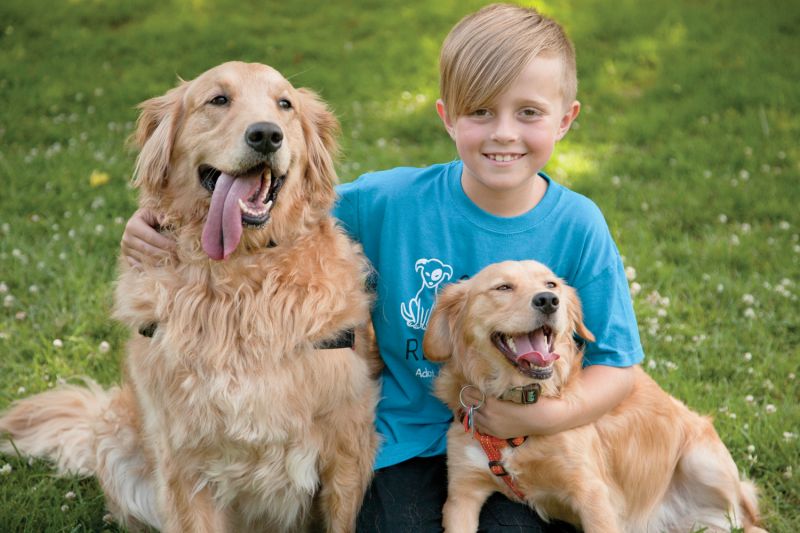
<point>504,145</point>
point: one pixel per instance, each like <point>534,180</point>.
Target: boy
<point>508,84</point>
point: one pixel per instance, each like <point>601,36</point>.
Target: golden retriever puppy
<point>231,416</point>
<point>649,466</point>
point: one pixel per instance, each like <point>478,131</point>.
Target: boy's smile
<point>505,144</point>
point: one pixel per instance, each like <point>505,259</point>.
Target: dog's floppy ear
<point>575,313</point>
<point>320,129</point>
<point>437,345</point>
<point>155,135</point>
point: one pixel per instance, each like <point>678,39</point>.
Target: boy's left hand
<point>507,420</point>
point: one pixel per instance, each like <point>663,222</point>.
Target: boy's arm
<point>596,391</point>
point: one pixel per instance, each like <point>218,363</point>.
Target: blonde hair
<point>486,51</point>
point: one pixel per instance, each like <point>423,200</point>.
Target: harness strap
<point>493,448</point>
<point>344,339</point>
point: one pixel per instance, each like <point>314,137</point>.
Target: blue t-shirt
<point>420,231</point>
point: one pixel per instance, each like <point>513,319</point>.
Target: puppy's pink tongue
<point>533,350</point>
<point>223,228</point>
<point>537,358</point>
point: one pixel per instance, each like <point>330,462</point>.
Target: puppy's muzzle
<point>264,137</point>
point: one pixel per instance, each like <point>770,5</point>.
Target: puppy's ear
<point>575,313</point>
<point>155,135</point>
<point>320,129</point>
<point>437,345</point>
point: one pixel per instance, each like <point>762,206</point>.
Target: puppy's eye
<point>504,287</point>
<point>551,285</point>
<point>219,100</point>
<point>283,103</point>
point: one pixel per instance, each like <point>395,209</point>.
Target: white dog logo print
<point>433,273</point>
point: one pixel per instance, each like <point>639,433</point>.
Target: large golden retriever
<point>649,466</point>
<point>230,417</point>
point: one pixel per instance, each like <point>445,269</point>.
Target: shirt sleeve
<point>346,209</point>
<point>608,314</point>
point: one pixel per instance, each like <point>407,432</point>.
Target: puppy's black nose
<point>546,302</point>
<point>264,137</point>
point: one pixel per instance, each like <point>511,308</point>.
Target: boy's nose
<point>504,130</point>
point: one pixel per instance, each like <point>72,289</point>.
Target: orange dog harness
<point>493,448</point>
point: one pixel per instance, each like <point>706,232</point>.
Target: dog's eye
<point>283,103</point>
<point>219,100</point>
<point>504,287</point>
<point>551,285</point>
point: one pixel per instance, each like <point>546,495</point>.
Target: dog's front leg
<point>462,510</point>
<point>184,508</point>
<point>346,463</point>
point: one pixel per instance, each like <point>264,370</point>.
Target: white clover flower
<point>8,301</point>
<point>651,364</point>
<point>749,313</point>
<point>33,289</point>
<point>104,347</point>
<point>21,391</point>
<point>788,436</point>
<point>720,287</point>
<point>58,343</point>
<point>6,469</point>
<point>787,474</point>
<point>748,356</point>
<point>3,288</point>
<point>749,398</point>
<point>662,312</point>
<point>616,181</point>
<point>64,508</point>
<point>21,315</point>
<point>749,299</point>
<point>69,496</point>
<point>636,288</point>
<point>770,408</point>
<point>735,240</point>
<point>744,174</point>
<point>630,273</point>
<point>784,225</point>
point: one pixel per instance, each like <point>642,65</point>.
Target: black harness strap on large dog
<point>345,339</point>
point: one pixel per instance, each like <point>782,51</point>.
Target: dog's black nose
<point>546,302</point>
<point>264,137</point>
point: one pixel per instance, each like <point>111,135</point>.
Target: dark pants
<point>408,498</point>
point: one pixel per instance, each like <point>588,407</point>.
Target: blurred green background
<point>688,141</point>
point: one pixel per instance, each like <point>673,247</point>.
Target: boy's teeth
<point>502,157</point>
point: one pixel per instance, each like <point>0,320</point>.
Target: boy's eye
<point>480,113</point>
<point>530,112</point>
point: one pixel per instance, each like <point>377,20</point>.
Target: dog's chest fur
<point>230,377</point>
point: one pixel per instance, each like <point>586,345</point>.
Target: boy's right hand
<point>142,244</point>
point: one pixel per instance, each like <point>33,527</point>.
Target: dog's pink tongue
<point>223,228</point>
<point>533,349</point>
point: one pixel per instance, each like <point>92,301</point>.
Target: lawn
<point>688,141</point>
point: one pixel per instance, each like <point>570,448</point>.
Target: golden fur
<point>228,419</point>
<point>649,466</point>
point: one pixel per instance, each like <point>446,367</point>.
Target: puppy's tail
<point>87,431</point>
<point>748,501</point>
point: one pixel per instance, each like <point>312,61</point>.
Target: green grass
<point>687,141</point>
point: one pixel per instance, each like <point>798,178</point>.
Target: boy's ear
<point>567,119</point>
<point>448,123</point>
<point>437,345</point>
